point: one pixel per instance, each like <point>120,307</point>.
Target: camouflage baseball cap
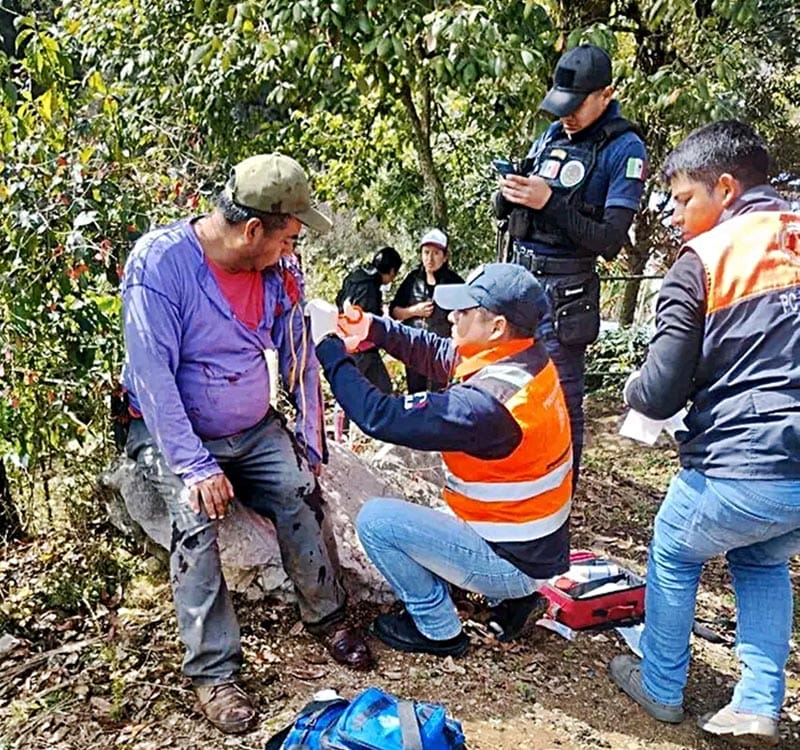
<point>274,183</point>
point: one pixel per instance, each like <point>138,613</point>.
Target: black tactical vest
<point>566,166</point>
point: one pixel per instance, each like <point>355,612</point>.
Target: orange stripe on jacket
<point>747,256</point>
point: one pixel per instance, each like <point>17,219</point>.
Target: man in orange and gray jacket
<point>728,339</point>
<point>503,430</point>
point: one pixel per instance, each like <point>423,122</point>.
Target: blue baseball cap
<point>503,288</point>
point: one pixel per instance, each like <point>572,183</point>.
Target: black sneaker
<point>400,632</point>
<point>514,618</point>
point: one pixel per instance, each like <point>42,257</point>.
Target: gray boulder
<point>248,543</point>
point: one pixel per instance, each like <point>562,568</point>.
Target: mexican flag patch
<point>634,168</point>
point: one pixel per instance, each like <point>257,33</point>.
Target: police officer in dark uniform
<point>574,199</point>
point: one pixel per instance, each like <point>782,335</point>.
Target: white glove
<point>632,378</point>
<point>354,325</point>
<point>324,319</point>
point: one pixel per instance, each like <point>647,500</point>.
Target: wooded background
<point>118,115</point>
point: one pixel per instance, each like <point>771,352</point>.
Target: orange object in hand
<point>353,325</point>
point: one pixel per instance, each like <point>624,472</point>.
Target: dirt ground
<point>111,678</point>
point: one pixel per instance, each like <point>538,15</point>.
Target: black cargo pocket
<point>576,308</point>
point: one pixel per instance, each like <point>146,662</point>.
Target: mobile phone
<point>504,166</point>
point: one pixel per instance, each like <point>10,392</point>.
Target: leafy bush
<point>611,358</point>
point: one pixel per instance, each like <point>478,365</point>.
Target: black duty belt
<point>545,265</point>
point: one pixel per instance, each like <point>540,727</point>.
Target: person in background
<point>573,200</point>
<point>362,287</point>
<point>413,302</point>
<point>206,305</point>
<point>728,340</point>
<point>503,430</point>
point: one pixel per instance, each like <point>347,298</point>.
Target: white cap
<point>434,237</point>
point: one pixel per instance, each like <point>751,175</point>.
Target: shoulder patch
<point>635,168</point>
<point>415,401</point>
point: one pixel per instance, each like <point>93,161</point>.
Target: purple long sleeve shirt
<point>192,369</point>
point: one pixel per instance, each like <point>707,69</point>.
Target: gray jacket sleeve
<point>667,379</point>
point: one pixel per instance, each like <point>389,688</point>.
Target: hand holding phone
<point>504,166</point>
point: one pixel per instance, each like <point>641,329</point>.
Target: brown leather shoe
<point>347,646</point>
<point>226,706</point>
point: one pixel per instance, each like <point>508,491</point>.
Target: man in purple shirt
<point>205,307</point>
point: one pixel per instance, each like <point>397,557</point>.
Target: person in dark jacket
<point>362,287</point>
<point>503,429</point>
<point>573,200</point>
<point>413,302</point>
<point>728,339</point>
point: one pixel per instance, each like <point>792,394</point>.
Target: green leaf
<point>110,305</point>
<point>45,102</point>
<point>527,58</point>
<point>96,82</point>
<point>385,47</point>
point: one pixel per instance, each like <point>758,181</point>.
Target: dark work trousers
<point>570,361</point>
<point>270,475</point>
<point>371,366</point>
<point>570,358</point>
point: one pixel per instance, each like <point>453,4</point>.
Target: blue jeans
<point>269,475</point>
<point>756,523</point>
<point>419,550</point>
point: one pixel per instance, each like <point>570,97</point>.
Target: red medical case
<point>573,603</point>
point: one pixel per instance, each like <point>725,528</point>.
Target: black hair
<point>725,146</point>
<point>235,213</point>
<point>386,260</point>
<point>514,331</point>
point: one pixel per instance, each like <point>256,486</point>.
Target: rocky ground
<point>106,673</point>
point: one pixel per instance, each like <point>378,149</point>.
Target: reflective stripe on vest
<point>511,374</point>
<point>527,494</point>
<point>491,492</point>
<point>521,532</point>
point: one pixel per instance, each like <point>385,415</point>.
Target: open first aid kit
<point>595,593</point>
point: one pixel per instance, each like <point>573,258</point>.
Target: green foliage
<point>116,115</point>
<point>614,356</point>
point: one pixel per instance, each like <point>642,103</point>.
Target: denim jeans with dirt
<point>269,475</point>
<point>420,550</point>
<point>756,525</point>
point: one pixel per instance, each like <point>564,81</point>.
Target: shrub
<point>611,358</point>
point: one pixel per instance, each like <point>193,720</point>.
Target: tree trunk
<point>649,233</point>
<point>636,260</point>
<point>420,122</point>
<point>10,521</point>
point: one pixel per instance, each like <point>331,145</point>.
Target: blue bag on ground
<point>374,720</point>
<point>305,732</point>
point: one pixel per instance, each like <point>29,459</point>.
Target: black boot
<point>400,632</point>
<point>513,618</point>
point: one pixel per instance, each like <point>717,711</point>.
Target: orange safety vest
<point>745,415</point>
<point>526,495</point>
